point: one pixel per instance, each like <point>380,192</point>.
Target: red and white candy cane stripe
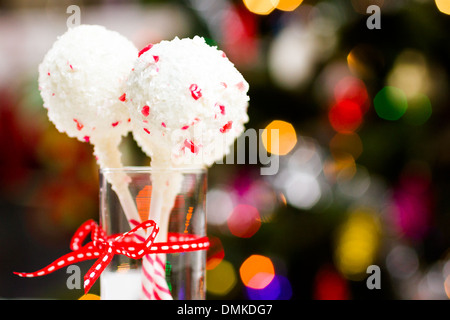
<point>154,283</point>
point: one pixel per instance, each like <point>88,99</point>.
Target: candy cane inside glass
<point>179,275</point>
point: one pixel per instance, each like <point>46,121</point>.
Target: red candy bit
<point>163,124</point>
<point>146,130</point>
<point>224,85</point>
<point>71,67</point>
<point>226,127</point>
<point>86,138</point>
<point>184,127</point>
<point>145,111</point>
<point>79,125</point>
<point>196,92</point>
<point>123,97</point>
<point>115,124</point>
<point>221,109</point>
<point>53,94</point>
<point>191,146</point>
<point>145,49</point>
<point>240,86</point>
<point>48,73</point>
<point>156,58</point>
<point>129,119</point>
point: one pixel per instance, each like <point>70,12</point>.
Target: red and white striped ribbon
<point>103,248</point>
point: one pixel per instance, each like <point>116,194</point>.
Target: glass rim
<point>148,169</point>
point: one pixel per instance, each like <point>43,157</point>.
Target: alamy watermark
<point>374,21</point>
<point>374,280</point>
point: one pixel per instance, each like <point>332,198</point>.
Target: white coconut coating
<point>187,101</point>
<point>82,82</point>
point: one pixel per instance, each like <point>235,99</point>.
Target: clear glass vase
<point>175,199</point>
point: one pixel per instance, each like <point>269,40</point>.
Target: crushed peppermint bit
<point>240,86</point>
<point>156,58</point>
<point>191,146</point>
<point>123,97</point>
<point>71,67</point>
<point>163,124</point>
<point>48,73</point>
<point>53,94</point>
<point>79,125</point>
<point>145,111</point>
<point>129,119</point>
<point>86,138</point>
<point>146,130</point>
<point>184,127</point>
<point>196,92</point>
<point>226,127</point>
<point>224,85</point>
<point>115,124</point>
<point>145,49</point>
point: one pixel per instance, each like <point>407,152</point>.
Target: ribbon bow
<point>105,247</point>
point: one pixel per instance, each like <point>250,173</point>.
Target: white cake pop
<point>188,103</point>
<point>82,82</point>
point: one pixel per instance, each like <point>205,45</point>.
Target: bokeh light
<point>302,190</point>
<point>292,57</point>
<point>352,89</point>
<point>419,110</point>
<point>244,221</point>
<point>410,74</point>
<point>390,103</point>
<point>360,6</point>
<point>261,7</point>
<point>279,288</point>
<point>89,296</point>
<point>222,279</point>
<point>402,262</point>
<point>357,243</point>
<point>411,204</point>
<point>257,271</point>
<point>219,206</point>
<point>443,6</point>
<point>287,137</point>
<point>287,5</point>
<point>330,285</point>
<point>346,143</point>
<point>345,116</point>
<point>215,253</point>
<point>365,61</point>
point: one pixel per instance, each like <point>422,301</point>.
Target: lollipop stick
<point>109,156</point>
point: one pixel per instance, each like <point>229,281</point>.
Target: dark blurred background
<point>364,169</point>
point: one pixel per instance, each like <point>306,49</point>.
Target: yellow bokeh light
<point>287,5</point>
<point>89,296</point>
<point>279,137</point>
<point>221,279</point>
<point>443,6</point>
<point>261,7</point>
<point>357,243</point>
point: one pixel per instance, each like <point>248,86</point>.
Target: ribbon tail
<point>66,260</point>
<point>95,271</point>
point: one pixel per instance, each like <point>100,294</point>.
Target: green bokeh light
<point>390,103</point>
<point>419,110</point>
